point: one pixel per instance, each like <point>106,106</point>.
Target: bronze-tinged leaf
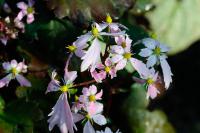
<point>81,11</point>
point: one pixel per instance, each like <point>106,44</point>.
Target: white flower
<point>156,53</point>
<point>61,113</point>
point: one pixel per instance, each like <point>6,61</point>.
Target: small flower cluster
<point>9,27</point>
<point>104,51</point>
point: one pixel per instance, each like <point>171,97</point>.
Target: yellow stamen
<point>64,88</point>
<point>108,19</point>
<point>150,81</point>
<point>88,116</point>
<point>123,44</point>
<point>127,55</point>
<point>72,48</point>
<point>107,69</point>
<point>157,51</point>
<point>92,98</point>
<point>95,31</point>
<point>76,98</point>
<point>14,71</point>
<point>30,10</point>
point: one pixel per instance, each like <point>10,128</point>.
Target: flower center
<point>150,81</point>
<point>108,19</point>
<point>95,31</point>
<point>88,116</point>
<point>30,10</point>
<point>127,55</point>
<point>107,69</point>
<point>92,98</point>
<point>72,48</point>
<point>76,98</point>
<point>14,71</point>
<point>64,88</point>
<point>123,44</point>
<point>157,51</point>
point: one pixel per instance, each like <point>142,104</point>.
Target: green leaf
<point>140,119</point>
<point>175,23</point>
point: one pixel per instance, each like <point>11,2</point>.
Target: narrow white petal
<point>116,58</point>
<point>149,43</point>
<point>151,61</point>
<point>92,56</point>
<point>116,49</point>
<point>88,128</point>
<point>140,67</point>
<point>70,76</point>
<point>164,48</point>
<point>166,71</point>
<point>81,42</point>
<point>146,52</point>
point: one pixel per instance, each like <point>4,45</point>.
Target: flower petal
<point>166,71</point>
<point>140,67</point>
<point>149,43</point>
<point>30,18</point>
<point>146,52</point>
<point>121,64</point>
<point>99,119</point>
<point>93,90</point>
<point>99,95</point>
<point>116,49</point>
<point>70,76</point>
<point>5,81</point>
<point>92,56</point>
<point>164,48</point>
<point>108,62</point>
<point>23,81</point>
<point>6,66</point>
<point>81,42</point>
<point>13,63</point>
<point>152,91</point>
<point>19,17</point>
<point>151,61</point>
<point>22,5</point>
<point>116,58</point>
<point>88,128</point>
<point>61,115</point>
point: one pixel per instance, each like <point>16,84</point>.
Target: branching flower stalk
<point>100,58</point>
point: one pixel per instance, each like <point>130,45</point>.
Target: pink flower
<point>121,54</point>
<point>61,114</point>
<point>108,68</point>
<point>156,53</point>
<point>26,10</point>
<point>14,70</point>
<point>77,105</point>
<point>151,78</point>
<point>90,95</point>
<point>94,114</point>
